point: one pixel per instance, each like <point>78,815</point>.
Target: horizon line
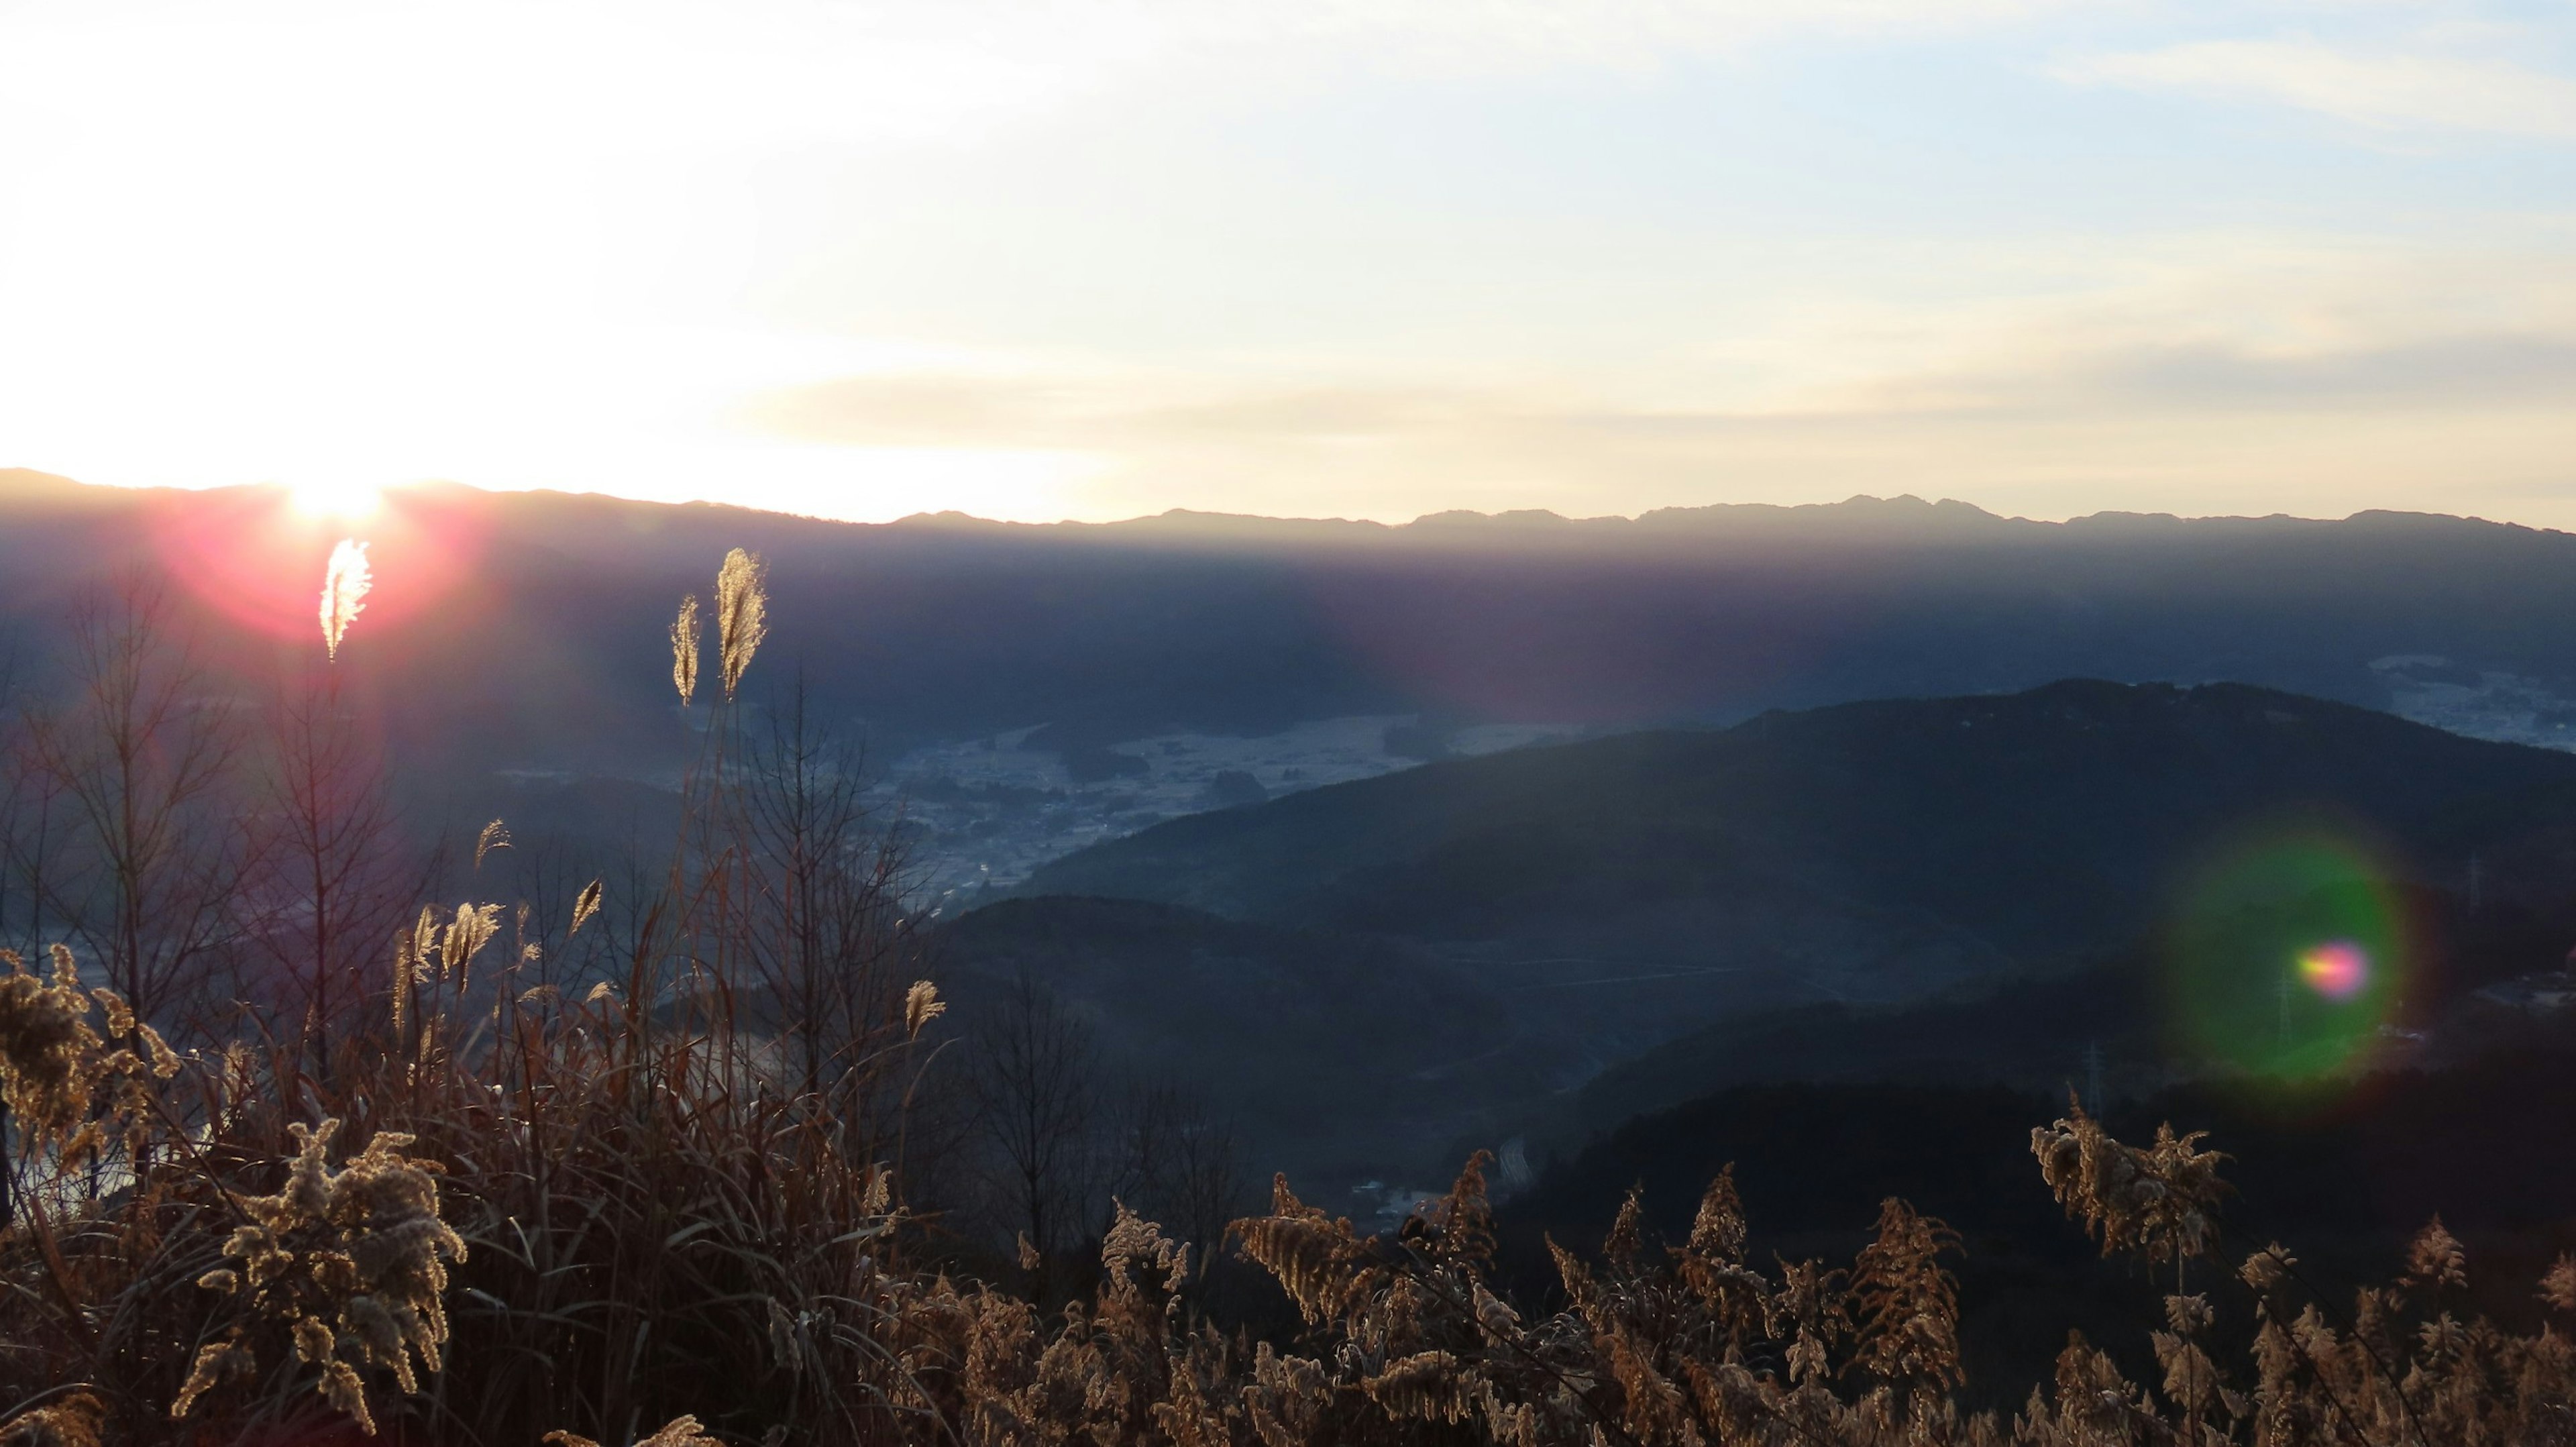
<point>1535,518</point>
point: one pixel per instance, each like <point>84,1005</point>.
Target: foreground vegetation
<point>692,1195</point>
<point>588,1229</point>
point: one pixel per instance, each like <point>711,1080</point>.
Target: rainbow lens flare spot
<point>2337,971</point>
<point>2286,954</point>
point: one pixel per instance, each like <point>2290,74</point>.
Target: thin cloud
<point>2380,92</point>
<point>1455,35</point>
<point>2189,374</point>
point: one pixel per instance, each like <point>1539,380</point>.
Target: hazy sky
<point>1094,258</point>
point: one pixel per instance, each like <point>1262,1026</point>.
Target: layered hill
<point>1329,1055</point>
<point>1967,890</point>
<point>526,629</point>
<point>1866,851</point>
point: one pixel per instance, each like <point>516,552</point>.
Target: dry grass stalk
<point>346,581</point>
<point>584,906</point>
<point>684,650</point>
<point>921,1005</point>
<point>473,928</point>
<point>495,835</point>
<point>742,614</point>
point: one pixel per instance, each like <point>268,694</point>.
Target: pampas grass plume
<point>345,583</point>
<point>684,650</point>
<point>742,614</point>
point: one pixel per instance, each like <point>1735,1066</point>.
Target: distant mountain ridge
<point>545,652</point>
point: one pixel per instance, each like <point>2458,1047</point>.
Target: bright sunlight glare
<point>346,500</point>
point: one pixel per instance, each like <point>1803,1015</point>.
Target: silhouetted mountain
<point>526,629</point>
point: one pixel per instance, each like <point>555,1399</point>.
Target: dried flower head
<point>921,1005</point>
<point>73,1421</point>
<point>495,835</point>
<point>684,650</point>
<point>2435,1260</point>
<point>1426,1386</point>
<point>50,1061</point>
<point>345,582</point>
<point>2265,1269</point>
<point>678,1432</point>
<point>2558,1288</point>
<point>2162,1199</point>
<point>1908,1304</point>
<point>418,947</point>
<point>583,907</point>
<point>352,1264</point>
<point>742,613</point>
<point>474,928</point>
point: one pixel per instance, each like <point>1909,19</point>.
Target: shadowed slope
<point>1870,850</point>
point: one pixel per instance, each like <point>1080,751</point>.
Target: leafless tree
<point>828,944</point>
<point>1181,1167</point>
<point>1036,1095</point>
<point>331,883</point>
<point>32,819</point>
<point>27,829</point>
<point>140,750</point>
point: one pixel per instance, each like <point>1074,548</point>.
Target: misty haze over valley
<point>1105,713</point>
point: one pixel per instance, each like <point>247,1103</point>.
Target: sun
<point>330,499</point>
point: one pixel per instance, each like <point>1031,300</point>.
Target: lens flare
<point>2286,954</point>
<point>2337,970</point>
<point>249,555</point>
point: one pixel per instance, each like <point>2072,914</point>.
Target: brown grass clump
<point>2160,1201</point>
<point>350,1265</point>
<point>50,1060</point>
<point>73,1420</point>
<point>71,1090</point>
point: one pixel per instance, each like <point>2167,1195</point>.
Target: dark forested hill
<point>1330,1055</point>
<point>1970,891</point>
<point>1867,850</point>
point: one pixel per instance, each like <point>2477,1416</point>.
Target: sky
<point>1038,259</point>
